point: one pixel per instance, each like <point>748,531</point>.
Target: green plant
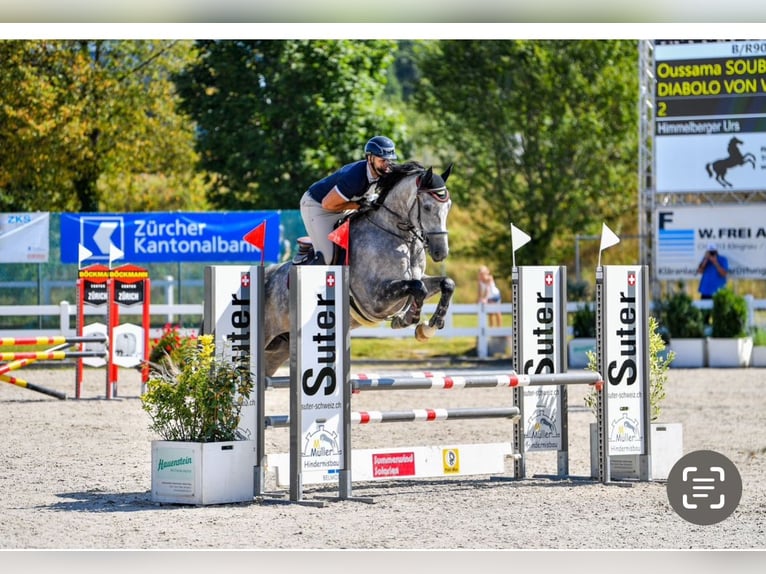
<point>759,337</point>
<point>198,398</point>
<point>168,347</point>
<point>729,314</point>
<point>680,316</point>
<point>584,322</point>
<point>659,362</point>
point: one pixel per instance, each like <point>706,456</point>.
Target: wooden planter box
<point>203,472</point>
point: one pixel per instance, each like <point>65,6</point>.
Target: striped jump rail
<point>511,380</point>
<point>412,415</point>
<point>48,355</point>
<point>57,340</point>
<point>283,382</point>
<point>19,382</point>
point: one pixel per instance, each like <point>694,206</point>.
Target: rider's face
<point>380,165</point>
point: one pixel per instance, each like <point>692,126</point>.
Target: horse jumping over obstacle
<point>387,260</point>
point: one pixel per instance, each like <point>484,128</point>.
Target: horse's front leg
<point>446,286</point>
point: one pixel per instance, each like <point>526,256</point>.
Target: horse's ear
<point>445,175</point>
<point>427,178</point>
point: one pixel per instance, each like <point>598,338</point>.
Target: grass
<point>408,349</point>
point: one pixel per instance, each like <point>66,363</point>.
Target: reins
<point>404,223</point>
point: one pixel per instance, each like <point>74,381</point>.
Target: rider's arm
<point>334,201</point>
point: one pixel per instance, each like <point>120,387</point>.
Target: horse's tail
<point>709,171</point>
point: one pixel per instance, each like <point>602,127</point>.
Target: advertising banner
<point>710,116</point>
<point>24,237</point>
<point>167,237</point>
<point>319,364</point>
<point>542,327</point>
<point>624,319</point>
<point>684,234</point>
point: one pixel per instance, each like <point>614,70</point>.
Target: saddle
<point>306,255</point>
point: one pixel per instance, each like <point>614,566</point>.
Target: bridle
<point>405,223</point>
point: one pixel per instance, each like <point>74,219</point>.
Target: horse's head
<point>433,207</point>
<point>415,200</point>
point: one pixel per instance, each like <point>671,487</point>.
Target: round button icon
<point>704,487</point>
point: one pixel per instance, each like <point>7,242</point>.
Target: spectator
<point>489,293</point>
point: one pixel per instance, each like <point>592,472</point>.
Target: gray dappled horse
<point>387,259</point>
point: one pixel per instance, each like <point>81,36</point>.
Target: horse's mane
<point>398,172</point>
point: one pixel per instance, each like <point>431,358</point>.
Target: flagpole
<point>263,248</point>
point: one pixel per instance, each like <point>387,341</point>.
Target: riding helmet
<point>381,146</point>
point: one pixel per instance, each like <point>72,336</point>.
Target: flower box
<point>689,353</point>
<point>729,352</point>
<point>203,472</point>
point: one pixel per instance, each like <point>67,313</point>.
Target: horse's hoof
<point>424,332</point>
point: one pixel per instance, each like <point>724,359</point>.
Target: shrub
<point>729,314</point>
<point>584,322</point>
<point>168,346</point>
<point>200,397</point>
<point>680,316</point>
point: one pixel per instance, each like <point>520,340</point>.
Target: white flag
<point>518,238</point>
<point>82,253</point>
<point>115,253</point>
<point>608,237</point>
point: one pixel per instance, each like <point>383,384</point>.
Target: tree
<point>544,134</point>
<point>93,126</point>
<point>276,115</point>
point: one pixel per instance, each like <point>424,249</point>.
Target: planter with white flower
<point>194,402</point>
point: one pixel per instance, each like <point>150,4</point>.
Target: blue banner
<point>167,237</point>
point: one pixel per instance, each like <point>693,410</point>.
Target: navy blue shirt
<point>351,180</point>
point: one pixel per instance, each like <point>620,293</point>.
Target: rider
<point>326,200</point>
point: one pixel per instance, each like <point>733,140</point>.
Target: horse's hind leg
<point>418,292</point>
<point>277,351</point>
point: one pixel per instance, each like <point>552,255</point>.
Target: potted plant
<point>583,335</point>
<point>194,403</point>
<point>758,358</point>
<point>730,345</point>
<point>685,329</point>
<point>666,438</point>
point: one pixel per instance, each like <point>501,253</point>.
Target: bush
<point>584,322</point>
<point>680,316</point>
<point>759,337</point>
<point>198,399</point>
<point>168,347</point>
<point>729,314</point>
